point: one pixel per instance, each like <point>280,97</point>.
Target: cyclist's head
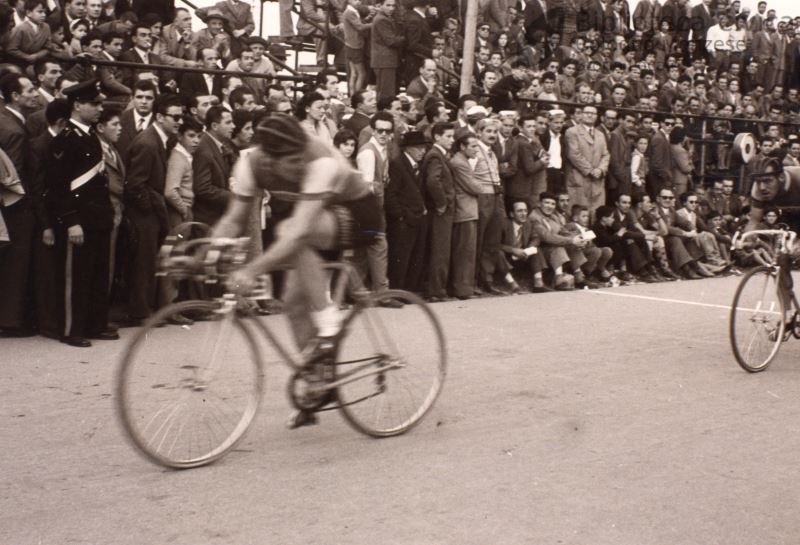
<point>767,177</point>
<point>280,135</point>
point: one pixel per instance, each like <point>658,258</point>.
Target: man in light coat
<point>587,161</point>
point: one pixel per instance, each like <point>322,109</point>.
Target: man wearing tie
<point>145,205</point>
<point>587,161</point>
<point>212,165</point>
<point>138,118</point>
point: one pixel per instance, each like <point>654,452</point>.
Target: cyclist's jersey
<point>321,172</point>
<point>788,195</point>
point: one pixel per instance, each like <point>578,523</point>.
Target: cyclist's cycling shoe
<point>301,418</point>
<point>320,350</point>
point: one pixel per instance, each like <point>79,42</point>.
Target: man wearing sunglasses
<point>659,156</point>
<point>145,206</point>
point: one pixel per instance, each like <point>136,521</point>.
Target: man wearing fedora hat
<point>215,35</point>
<point>240,18</point>
<point>405,213</point>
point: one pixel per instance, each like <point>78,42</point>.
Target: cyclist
<point>773,186</point>
<point>333,209</point>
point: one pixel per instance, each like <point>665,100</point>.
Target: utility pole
<point>468,56</point>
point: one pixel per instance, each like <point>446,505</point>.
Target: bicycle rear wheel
<point>400,357</point>
<point>757,320</point>
<point>186,395</point>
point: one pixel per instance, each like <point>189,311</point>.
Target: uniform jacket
<point>77,187</point>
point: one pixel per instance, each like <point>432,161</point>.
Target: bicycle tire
<point>175,411</point>
<point>757,323</point>
<point>392,401</point>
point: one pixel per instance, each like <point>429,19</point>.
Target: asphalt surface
<point>607,417</point>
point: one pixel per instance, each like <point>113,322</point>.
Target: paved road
<point>608,417</point>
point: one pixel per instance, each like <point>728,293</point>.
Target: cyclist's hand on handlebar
<point>241,281</point>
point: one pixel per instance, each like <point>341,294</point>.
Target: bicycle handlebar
<point>787,239</point>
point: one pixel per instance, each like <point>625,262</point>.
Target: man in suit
<point>78,197</point>
<point>215,35</point>
<point>387,42</point>
<point>140,53</point>
<point>756,22</point>
<point>426,83</point>
<point>676,239</point>
<point>518,241</point>
<point>548,130</point>
<point>530,177</point>
<point>176,41</point>
<point>194,84</point>
<point>439,192</point>
<point>587,161</point>
<point>418,38</point>
<point>45,291</point>
<point>16,204</point>
<point>145,205</point>
<point>140,117</point>
<point>364,104</point>
<point>212,167</point>
<point>618,180</point>
<point>659,157</point>
<point>701,20</point>
<point>765,53</point>
<point>405,213</point>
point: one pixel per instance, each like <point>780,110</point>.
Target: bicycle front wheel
<point>757,320</point>
<point>186,395</point>
<point>395,360</point>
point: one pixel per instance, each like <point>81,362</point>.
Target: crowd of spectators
<point>576,160</point>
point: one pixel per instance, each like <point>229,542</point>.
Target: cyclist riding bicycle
<point>333,210</point>
<point>774,185</point>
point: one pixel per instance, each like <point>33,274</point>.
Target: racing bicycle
<point>764,313</point>
<point>187,395</point>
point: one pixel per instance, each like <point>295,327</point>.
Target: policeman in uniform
<point>79,199</point>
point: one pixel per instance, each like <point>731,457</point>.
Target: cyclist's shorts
<point>358,222</point>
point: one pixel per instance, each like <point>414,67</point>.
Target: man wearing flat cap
<point>405,213</point>
<point>79,200</point>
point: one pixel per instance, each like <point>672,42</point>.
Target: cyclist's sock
<point>328,321</point>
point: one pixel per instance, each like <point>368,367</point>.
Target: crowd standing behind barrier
<point>597,147</point>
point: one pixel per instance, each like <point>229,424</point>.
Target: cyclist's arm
<point>244,189</point>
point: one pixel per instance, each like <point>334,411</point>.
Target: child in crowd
<point>29,40</point>
<point>79,28</point>
<point>639,166</point>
